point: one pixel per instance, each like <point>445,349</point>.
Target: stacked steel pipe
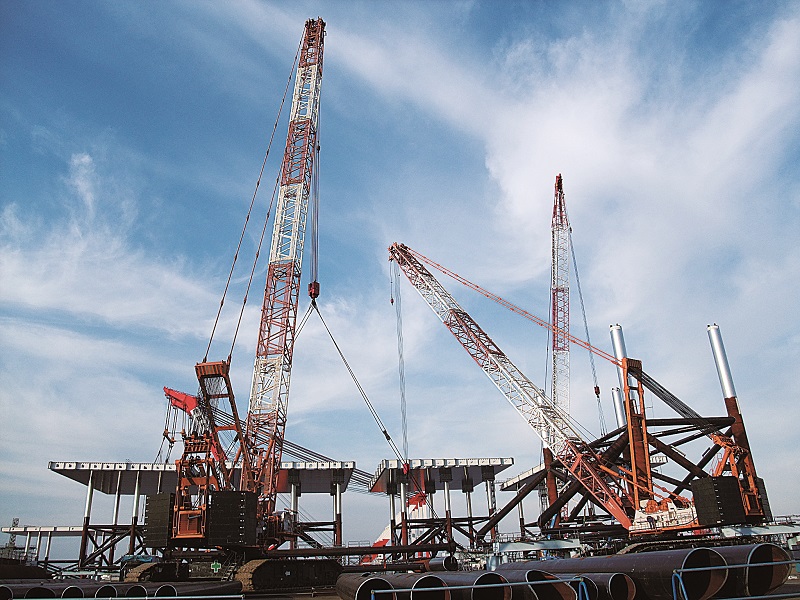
<point>442,563</point>
<point>359,586</point>
<point>759,576</point>
<point>85,588</point>
<point>423,586</point>
<point>604,586</point>
<point>477,580</point>
<point>545,586</point>
<point>651,571</point>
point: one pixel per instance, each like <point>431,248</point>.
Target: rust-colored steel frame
<point>202,467</point>
<point>638,454</point>
<point>197,478</point>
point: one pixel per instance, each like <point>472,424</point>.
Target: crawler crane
<point>206,467</point>
<point>614,472</point>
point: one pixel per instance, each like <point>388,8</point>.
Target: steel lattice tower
<point>559,297</point>
<point>269,397</point>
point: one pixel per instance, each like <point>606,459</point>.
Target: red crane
<point>550,423</point>
<point>269,396</point>
<point>206,465</point>
<point>559,298</point>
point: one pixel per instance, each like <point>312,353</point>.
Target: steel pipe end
<point>136,591</point>
<point>166,591</point>
<point>430,581</point>
<point>442,563</point>
<point>106,591</point>
<point>40,592</point>
<point>353,586</point>
<point>491,593</point>
<point>762,579</point>
<point>614,586</point>
<point>477,580</point>
<point>759,577</point>
<point>701,585</point>
<point>621,587</point>
<point>554,590</point>
<point>72,591</point>
<point>6,593</point>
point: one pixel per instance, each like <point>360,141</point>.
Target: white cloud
<point>88,266</point>
<point>82,179</point>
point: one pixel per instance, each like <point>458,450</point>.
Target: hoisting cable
<point>247,218</point>
<point>313,287</point>
<point>588,339</point>
<point>372,410</point>
<point>400,361</point>
<point>394,293</point>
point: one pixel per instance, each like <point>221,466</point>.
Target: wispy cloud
<point>88,266</point>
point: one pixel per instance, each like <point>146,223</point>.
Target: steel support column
<point>135,512</point>
<point>86,515</point>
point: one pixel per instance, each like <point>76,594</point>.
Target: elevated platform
<point>430,473</point>
<point>121,477</point>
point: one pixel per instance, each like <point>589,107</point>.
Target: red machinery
<point>206,465</point>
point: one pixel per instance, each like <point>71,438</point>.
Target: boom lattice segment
<point>550,423</point>
<point>269,397</point>
<point>559,298</point>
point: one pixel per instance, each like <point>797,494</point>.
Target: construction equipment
<point>269,396</point>
<point>204,467</point>
<point>550,423</point>
<point>736,458</point>
<point>623,488</point>
<point>207,464</point>
<point>559,317</point>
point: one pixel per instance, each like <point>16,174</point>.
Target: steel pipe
<point>592,591</point>
<point>760,576</point>
<point>136,591</point>
<point>106,591</point>
<point>359,586</point>
<point>415,582</point>
<point>605,586</point>
<point>73,591</point>
<point>651,571</point>
<point>548,586</point>
<point>32,589</point>
<point>721,361</point>
<point>195,589</point>
<point>477,580</point>
<point>166,590</point>
<point>39,592</point>
<point>442,563</point>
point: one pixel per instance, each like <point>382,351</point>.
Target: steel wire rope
<point>401,371</point>
<point>373,411</point>
<point>247,218</point>
<point>315,203</point>
<point>394,280</point>
<point>363,393</point>
<point>603,430</point>
<point>523,313</point>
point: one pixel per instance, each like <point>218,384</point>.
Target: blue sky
<point>131,134</point>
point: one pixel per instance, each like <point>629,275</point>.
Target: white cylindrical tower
<point>619,407</point>
<point>721,360</point>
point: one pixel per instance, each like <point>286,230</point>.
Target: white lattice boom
<point>269,396</point>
